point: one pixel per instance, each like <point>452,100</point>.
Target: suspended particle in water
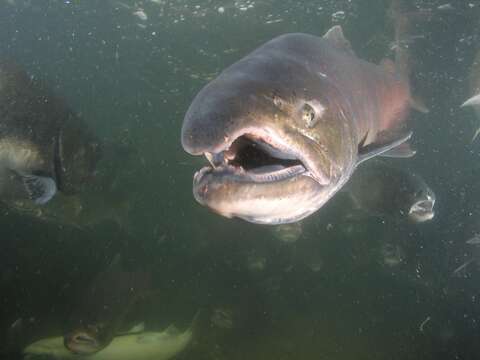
<point>221,10</point>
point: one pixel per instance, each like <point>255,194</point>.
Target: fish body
<point>383,190</point>
<point>285,127</point>
<point>142,346</point>
<point>44,146</point>
<point>100,310</point>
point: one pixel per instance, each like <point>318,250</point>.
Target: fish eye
<point>309,115</point>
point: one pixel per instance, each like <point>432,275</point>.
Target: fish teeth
<point>209,157</point>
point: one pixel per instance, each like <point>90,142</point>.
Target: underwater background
<point>331,287</point>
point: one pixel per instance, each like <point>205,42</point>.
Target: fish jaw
<point>281,201</point>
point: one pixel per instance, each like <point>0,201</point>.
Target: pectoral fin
<point>369,151</point>
<point>401,151</point>
<point>40,189</point>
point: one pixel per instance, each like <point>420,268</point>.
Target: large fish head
<point>277,138</point>
<point>87,339</point>
<point>78,153</point>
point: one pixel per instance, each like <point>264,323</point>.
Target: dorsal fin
<point>336,37</point>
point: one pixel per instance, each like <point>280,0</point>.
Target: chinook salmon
<point>135,345</point>
<point>100,310</point>
<point>285,127</point>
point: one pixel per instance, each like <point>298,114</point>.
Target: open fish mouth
<point>263,176</point>
<point>255,157</point>
<point>422,210</point>
<point>82,343</point>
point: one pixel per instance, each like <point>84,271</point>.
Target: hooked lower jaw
<point>226,193</point>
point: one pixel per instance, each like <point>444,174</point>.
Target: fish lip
<point>230,195</point>
<point>266,136</point>
<point>238,174</point>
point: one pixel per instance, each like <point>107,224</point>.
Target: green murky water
<point>131,68</point>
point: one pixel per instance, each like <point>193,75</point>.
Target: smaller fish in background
<point>391,255</point>
<point>44,146</point>
<point>469,254</point>
<point>145,345</point>
<point>99,312</point>
<point>475,240</point>
<point>106,200</point>
<point>474,100</point>
<point>380,189</point>
<point>287,233</point>
<point>461,270</point>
